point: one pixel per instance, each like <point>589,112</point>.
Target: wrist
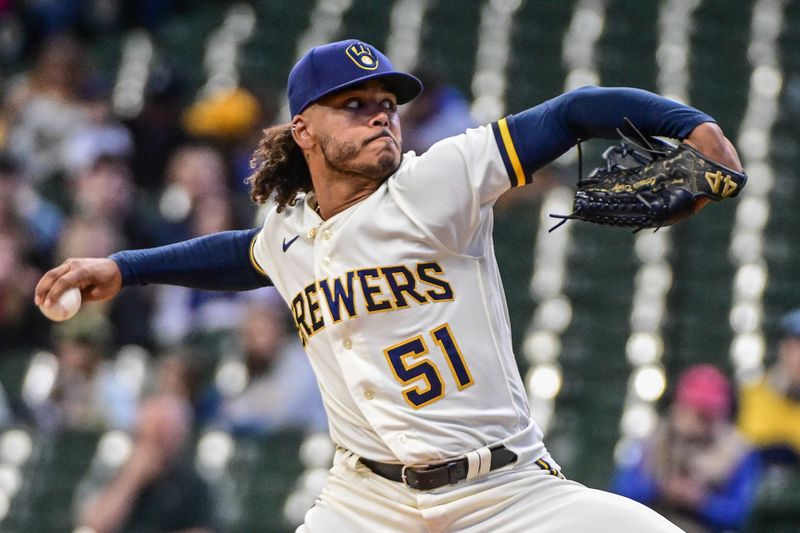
<point>124,270</point>
<point>708,139</point>
<point>706,133</point>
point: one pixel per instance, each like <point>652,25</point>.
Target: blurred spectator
<point>11,45</point>
<point>101,135</point>
<point>87,236</point>
<point>278,389</point>
<point>180,372</point>
<point>226,114</point>
<point>157,488</point>
<point>182,312</point>
<point>6,415</point>
<point>23,209</point>
<point>145,13</point>
<point>87,394</point>
<point>176,375</point>
<point>212,214</point>
<point>440,111</point>
<point>769,413</point>
<point>22,326</point>
<point>157,130</point>
<point>105,191</point>
<point>232,119</point>
<point>696,469</point>
<point>194,172</point>
<point>45,18</point>
<point>197,171</point>
<point>44,107</point>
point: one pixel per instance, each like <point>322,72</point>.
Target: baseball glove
<point>647,182</point>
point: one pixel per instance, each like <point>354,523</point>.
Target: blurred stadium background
<point>603,320</point>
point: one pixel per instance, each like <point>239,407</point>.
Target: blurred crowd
<point>77,181</point>
<point>160,363</point>
<point>163,363</point>
<point>718,453</point>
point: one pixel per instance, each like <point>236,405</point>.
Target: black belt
<point>435,476</point>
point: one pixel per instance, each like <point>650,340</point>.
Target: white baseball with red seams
<point>65,308</point>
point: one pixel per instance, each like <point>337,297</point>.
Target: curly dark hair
<point>279,168</point>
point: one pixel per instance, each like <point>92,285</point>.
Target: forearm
<point>107,511</point>
<point>544,132</point>
<point>221,261</point>
<point>599,111</point>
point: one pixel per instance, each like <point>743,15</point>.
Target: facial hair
<point>339,156</point>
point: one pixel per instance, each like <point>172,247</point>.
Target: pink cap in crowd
<point>706,389</point>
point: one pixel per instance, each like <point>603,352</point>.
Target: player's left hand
<point>646,182</point>
<point>708,139</point>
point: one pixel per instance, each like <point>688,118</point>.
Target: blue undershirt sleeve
<point>535,137</point>
<point>221,262</point>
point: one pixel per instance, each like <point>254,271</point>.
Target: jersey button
<point>326,235</point>
<point>348,344</point>
<point>312,232</point>
<point>326,261</point>
<point>369,395</point>
<point>401,438</point>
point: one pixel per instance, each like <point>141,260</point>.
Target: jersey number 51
<point>406,366</point>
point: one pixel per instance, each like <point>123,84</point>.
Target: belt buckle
<point>403,475</point>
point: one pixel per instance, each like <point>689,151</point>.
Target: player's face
<point>357,131</point>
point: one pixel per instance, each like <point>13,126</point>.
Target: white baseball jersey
<point>400,306</point>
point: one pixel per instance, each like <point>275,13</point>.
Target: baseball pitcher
<point>386,263</point>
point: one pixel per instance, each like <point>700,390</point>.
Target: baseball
<point>66,306</point>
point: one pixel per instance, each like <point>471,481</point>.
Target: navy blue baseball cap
<point>335,66</point>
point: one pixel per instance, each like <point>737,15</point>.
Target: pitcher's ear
<point>300,132</point>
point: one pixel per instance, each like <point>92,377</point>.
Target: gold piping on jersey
<point>545,466</point>
<point>253,256</point>
<point>508,143</point>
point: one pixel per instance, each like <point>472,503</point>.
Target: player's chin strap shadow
<point>637,140</point>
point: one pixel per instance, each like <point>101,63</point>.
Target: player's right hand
<point>97,278</point>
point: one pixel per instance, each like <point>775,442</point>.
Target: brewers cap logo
<point>362,56</point>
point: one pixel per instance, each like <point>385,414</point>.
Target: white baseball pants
<point>516,498</point>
